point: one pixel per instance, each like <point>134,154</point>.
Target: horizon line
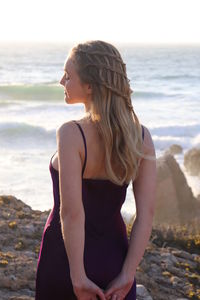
<point>127,43</point>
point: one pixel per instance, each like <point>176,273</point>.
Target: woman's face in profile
<point>73,89</point>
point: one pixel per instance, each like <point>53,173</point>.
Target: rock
<point>192,161</point>
<point>175,202</point>
<point>175,280</point>
<point>142,293</point>
<point>20,241</point>
<point>29,230</point>
<point>174,149</point>
<point>173,276</point>
<point>3,263</point>
<point>168,258</point>
<point>12,225</point>
<point>183,254</point>
<point>166,206</point>
<point>21,245</point>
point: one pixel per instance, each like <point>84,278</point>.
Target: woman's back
<point>95,165</point>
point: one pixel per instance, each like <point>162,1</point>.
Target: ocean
<point>166,98</point>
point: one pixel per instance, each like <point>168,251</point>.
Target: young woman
<point>84,252</point>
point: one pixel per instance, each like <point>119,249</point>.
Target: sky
<point>127,21</point>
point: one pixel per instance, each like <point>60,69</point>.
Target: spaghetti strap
<point>84,140</point>
<point>142,133</point>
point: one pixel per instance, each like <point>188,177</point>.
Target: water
<point>165,81</point>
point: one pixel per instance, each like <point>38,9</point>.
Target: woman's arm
<point>72,214</point>
<point>144,188</point>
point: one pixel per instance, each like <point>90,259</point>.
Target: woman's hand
<point>88,290</point>
<point>119,287</point>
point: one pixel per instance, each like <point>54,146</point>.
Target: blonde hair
<point>100,64</point>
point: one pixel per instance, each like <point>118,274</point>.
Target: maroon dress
<point>106,242</point>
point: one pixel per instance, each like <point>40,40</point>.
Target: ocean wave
<point>31,92</point>
<point>21,134</point>
<point>16,130</point>
<point>196,141</point>
<point>186,130</point>
<point>150,95</point>
<point>178,76</point>
<point>163,143</point>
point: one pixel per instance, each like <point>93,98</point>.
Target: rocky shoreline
<point>170,268</point>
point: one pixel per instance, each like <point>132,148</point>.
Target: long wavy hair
<point>100,64</point>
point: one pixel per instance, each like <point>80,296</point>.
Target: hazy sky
<point>135,21</point>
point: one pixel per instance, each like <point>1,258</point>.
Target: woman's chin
<point>66,99</point>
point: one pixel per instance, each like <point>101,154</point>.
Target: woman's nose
<point>62,81</point>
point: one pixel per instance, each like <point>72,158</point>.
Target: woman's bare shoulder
<point>67,131</point>
<point>70,123</point>
<point>66,127</point>
<point>148,145</point>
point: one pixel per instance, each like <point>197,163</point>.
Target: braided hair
<point>100,64</point>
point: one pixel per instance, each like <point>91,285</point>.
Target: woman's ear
<point>89,89</point>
